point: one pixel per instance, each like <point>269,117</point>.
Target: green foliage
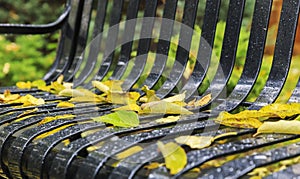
<point>26,58</point>
<point>30,11</point>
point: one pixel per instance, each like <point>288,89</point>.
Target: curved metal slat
<point>163,45</point>
<point>95,44</point>
<point>69,33</point>
<point>228,54</point>
<point>258,34</point>
<point>143,45</point>
<point>282,54</point>
<point>127,41</point>
<point>183,48</point>
<point>205,48</point>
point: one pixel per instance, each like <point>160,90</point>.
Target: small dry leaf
<point>46,134</point>
<point>129,152</point>
<point>239,120</point>
<point>129,107</point>
<point>70,93</point>
<point>23,85</point>
<point>52,118</point>
<point>27,112</point>
<point>178,97</point>
<point>60,79</point>
<point>38,83</point>
<point>168,119</point>
<point>150,95</point>
<point>282,127</point>
<point>153,165</point>
<point>100,86</point>
<point>163,107</point>
<point>195,142</point>
<point>65,104</point>
<point>201,102</point>
<point>174,155</point>
<point>123,98</point>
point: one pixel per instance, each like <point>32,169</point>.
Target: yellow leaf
<point>52,118</point>
<point>27,112</point>
<point>225,135</point>
<point>7,97</point>
<point>178,97</point>
<point>168,119</point>
<point>114,85</point>
<point>123,98</point>
<point>174,155</point>
<point>23,85</point>
<point>46,134</point>
<point>282,126</point>
<point>129,107</point>
<point>56,87</point>
<point>163,107</point>
<point>100,86</point>
<point>29,100</point>
<point>128,152</point>
<point>65,104</point>
<point>60,79</point>
<point>201,102</point>
<point>195,142</point>
<point>70,93</point>
<point>153,165</point>
<point>38,83</point>
<point>94,99</point>
<point>150,95</point>
<point>66,142</point>
<point>281,110</point>
<point>238,120</point>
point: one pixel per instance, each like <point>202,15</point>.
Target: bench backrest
<point>116,55</point>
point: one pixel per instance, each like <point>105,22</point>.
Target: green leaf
<point>175,156</point>
<point>120,118</point>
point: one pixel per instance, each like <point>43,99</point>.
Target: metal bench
<point>24,157</point>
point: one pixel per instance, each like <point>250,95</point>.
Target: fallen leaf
<point>8,97</point>
<point>60,79</point>
<point>282,127</point>
<point>128,152</point>
<point>120,118</point>
<point>174,155</point>
<point>70,93</point>
<point>52,118</point>
<point>150,95</point>
<point>94,99</point>
<point>153,165</point>
<point>163,107</point>
<point>27,112</point>
<point>281,110</point>
<point>100,86</point>
<point>195,142</point>
<point>38,83</point>
<point>238,120</point>
<point>168,119</point>
<point>201,102</point>
<point>123,98</point>
<point>23,85</point>
<point>178,97</point>
<point>46,134</point>
<point>29,100</point>
<point>65,104</point>
<point>129,107</point>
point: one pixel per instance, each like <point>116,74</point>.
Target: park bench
<point>121,31</point>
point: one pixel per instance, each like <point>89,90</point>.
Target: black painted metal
<point>22,156</point>
<point>282,55</point>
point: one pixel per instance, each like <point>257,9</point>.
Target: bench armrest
<point>36,29</point>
